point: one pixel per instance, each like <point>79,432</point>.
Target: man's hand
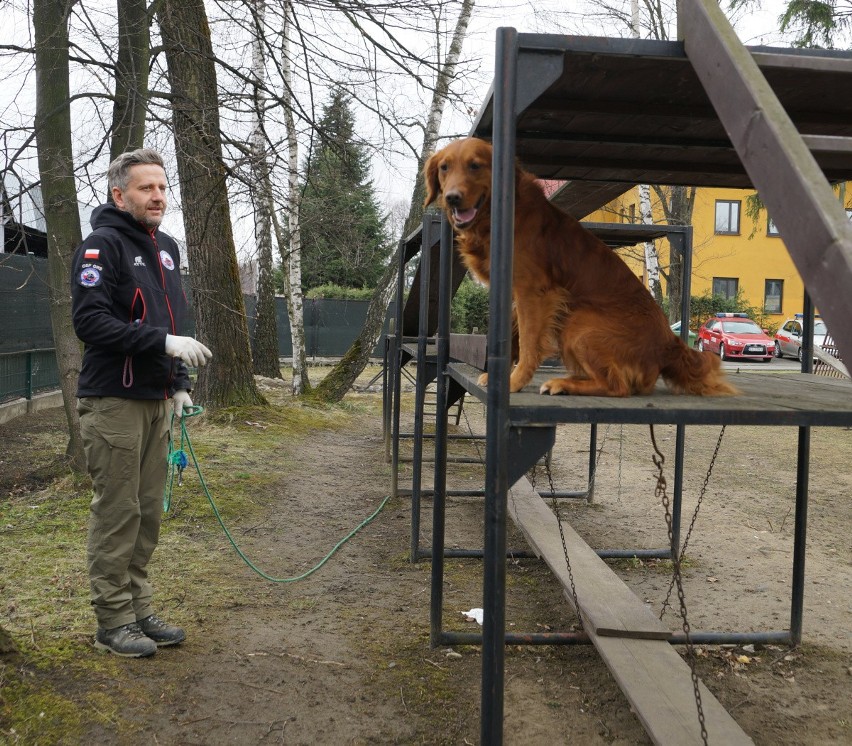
<point>181,400</point>
<point>190,350</point>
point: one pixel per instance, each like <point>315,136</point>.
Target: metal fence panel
<point>331,326</point>
<point>24,303</point>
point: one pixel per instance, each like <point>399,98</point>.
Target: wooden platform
<point>630,639</point>
<point>796,399</point>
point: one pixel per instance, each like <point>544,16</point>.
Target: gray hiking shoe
<point>160,632</point>
<point>128,641</point>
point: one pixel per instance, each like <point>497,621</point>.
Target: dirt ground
<point>343,656</point>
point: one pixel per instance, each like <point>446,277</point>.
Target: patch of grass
<point>32,711</point>
<point>242,452</point>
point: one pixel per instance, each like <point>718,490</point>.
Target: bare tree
<point>131,77</point>
<point>265,350</point>
<point>218,302</point>
<point>293,255</point>
<point>56,167</point>
<point>340,379</point>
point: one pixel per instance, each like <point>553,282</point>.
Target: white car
<point>788,339</point>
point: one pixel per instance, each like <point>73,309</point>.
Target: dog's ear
<point>430,176</point>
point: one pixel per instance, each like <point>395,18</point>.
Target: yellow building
<point>731,250</point>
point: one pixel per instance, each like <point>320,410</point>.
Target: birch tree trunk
<point>652,261</point>
<point>218,302</point>
<point>265,351</point>
<point>56,167</point>
<point>340,379</point>
<point>292,258</point>
<point>646,216</point>
<point>436,112</point>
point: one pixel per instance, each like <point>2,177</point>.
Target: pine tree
<point>344,240</point>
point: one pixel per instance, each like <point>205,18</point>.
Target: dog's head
<point>460,174</point>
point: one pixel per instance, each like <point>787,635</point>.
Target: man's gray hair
<point>119,170</point>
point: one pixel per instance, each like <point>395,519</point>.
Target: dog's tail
<point>692,372</point>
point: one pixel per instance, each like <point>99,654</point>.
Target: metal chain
<point>701,494</point>
<point>561,532</point>
<point>661,491</point>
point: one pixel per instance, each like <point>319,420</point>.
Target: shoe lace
<point>134,632</point>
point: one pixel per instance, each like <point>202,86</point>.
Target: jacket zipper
<point>168,306</point>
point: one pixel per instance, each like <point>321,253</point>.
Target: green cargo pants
<point>126,445</point>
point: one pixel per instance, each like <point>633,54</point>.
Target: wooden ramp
<point>630,639</point>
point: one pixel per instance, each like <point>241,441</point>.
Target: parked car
<point>788,339</point>
<point>692,335</point>
<point>735,337</point>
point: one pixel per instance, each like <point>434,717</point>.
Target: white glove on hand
<point>190,350</point>
<point>180,400</point>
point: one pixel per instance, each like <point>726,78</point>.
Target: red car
<point>735,337</point>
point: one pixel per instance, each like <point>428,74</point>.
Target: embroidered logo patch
<point>167,260</point>
<point>90,277</point>
<point>138,262</point>
<point>92,253</point>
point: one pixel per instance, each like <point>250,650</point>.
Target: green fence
<point>27,362</point>
<point>23,374</point>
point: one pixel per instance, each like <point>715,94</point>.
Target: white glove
<point>181,400</point>
<point>190,350</point>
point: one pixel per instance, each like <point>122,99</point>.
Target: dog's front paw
<point>483,379</point>
<point>554,386</point>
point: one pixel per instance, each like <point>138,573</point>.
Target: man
<point>128,307</point>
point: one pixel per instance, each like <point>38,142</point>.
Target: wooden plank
<point>631,640</point>
<point>657,683</point>
<point>607,605</point>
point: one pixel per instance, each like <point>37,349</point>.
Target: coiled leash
<point>178,461</point>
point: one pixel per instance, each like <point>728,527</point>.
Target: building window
<point>725,286</point>
<point>773,296</point>
<point>771,228</point>
<point>728,217</point>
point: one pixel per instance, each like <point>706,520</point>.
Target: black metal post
<point>807,334</point>
<point>29,374</point>
<point>499,363</point>
<point>800,534</point>
<point>677,487</point>
<point>397,371</point>
<point>420,385</point>
<point>593,448</point>
<point>683,241</point>
<point>440,478</point>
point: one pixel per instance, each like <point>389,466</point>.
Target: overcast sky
<point>394,177</point>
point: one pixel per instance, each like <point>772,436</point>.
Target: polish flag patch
<point>92,254</point>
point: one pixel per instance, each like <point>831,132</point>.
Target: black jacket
<point>126,295</point>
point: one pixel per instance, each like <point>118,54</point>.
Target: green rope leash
<point>178,461</point>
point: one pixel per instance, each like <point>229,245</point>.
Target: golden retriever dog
<point>572,294</point>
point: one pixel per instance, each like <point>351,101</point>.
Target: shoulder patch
<point>92,254</point>
<point>90,277</point>
<point>167,260</point>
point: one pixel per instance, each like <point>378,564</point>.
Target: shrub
<point>702,307</point>
<point>338,292</point>
<point>470,308</point>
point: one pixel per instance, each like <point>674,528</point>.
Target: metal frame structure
<point>522,426</point>
<point>468,348</point>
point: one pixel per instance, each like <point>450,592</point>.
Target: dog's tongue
<point>465,216</point>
